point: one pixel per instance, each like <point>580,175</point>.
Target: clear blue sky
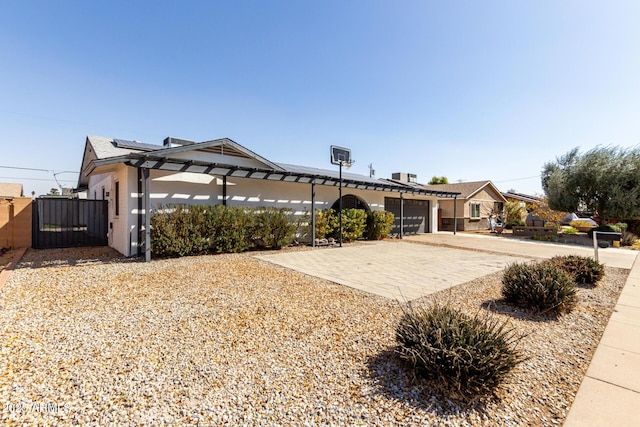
<point>467,89</point>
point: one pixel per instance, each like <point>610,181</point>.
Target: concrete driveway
<point>405,270</point>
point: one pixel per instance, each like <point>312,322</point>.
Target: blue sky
<point>467,89</point>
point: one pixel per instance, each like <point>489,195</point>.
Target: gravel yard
<point>90,338</point>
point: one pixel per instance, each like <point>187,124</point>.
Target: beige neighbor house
<point>137,178</point>
<point>477,202</point>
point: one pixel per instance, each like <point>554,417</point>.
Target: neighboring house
<point>10,190</point>
<point>477,202</point>
<point>136,178</point>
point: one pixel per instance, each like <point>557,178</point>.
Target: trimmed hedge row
<point>199,229</point>
<point>193,230</point>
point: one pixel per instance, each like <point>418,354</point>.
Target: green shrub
<point>323,223</point>
<point>569,230</point>
<point>229,229</point>
<point>469,355</point>
<point>353,223</point>
<point>542,287</point>
<point>273,228</point>
<point>620,226</point>
<point>379,224</point>
<point>584,270</point>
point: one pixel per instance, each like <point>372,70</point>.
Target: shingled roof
<point>466,189</point>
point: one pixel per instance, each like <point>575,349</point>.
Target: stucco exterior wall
<point>167,188</point>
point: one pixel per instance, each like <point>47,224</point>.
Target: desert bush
<point>543,287</point>
<point>273,228</point>
<point>353,223</point>
<point>229,229</point>
<point>173,233</point>
<point>584,270</point>
<point>323,223</point>
<point>379,224</point>
<point>469,355</point>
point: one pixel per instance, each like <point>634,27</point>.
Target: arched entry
<point>351,201</point>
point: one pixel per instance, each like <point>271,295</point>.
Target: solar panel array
<point>135,145</point>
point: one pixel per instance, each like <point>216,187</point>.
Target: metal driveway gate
<point>63,223</point>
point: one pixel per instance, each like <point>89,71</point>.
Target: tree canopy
<point>604,179</point>
<point>438,180</point>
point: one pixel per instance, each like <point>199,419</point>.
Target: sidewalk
<point>610,392</point>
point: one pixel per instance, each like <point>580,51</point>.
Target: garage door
<point>416,215</point>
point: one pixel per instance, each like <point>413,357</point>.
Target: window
<point>474,210</point>
<point>117,198</point>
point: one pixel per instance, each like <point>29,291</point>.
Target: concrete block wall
<point>15,222</point>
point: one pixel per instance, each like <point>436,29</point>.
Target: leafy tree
<point>438,180</point>
<point>604,179</point>
<point>54,191</point>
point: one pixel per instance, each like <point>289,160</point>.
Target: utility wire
<point>519,179</point>
<point>36,179</point>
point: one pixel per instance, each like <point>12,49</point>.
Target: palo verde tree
<point>604,179</point>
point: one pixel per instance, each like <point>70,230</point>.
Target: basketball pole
<point>340,213</point>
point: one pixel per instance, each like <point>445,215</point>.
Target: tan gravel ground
<point>89,338</point>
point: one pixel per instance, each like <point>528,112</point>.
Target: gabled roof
<point>102,152</point>
<point>466,189</point>
<point>10,190</point>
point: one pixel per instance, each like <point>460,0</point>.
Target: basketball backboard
<point>340,156</point>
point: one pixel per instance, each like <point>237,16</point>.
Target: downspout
<point>313,213</point>
<point>455,214</point>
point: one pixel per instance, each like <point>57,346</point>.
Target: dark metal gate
<point>64,223</point>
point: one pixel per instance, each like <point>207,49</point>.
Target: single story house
<point>476,203</point>
<point>137,178</point>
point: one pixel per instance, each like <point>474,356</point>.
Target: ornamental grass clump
<point>468,355</point>
<point>585,270</point>
<point>542,287</point>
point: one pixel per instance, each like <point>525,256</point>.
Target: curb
<point>4,274</point>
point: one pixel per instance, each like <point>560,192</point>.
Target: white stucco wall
<point>169,188</point>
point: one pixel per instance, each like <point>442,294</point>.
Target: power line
<point>25,169</point>
<point>519,179</point>
<point>36,169</point>
<point>36,179</point>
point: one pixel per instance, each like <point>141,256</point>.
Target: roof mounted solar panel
<point>135,145</point>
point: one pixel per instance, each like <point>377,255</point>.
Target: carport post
<point>401,216</point>
<point>313,213</point>
<point>224,190</point>
<point>455,214</point>
<point>147,215</point>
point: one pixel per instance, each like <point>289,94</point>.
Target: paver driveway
<point>393,269</point>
